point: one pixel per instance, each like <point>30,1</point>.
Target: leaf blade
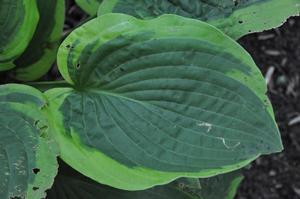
<point>30,165</point>
<point>71,184</point>
<point>41,52</point>
<point>235,18</point>
<point>21,18</point>
<point>89,6</point>
<point>159,98</point>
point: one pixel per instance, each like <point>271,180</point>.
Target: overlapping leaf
<point>68,187</point>
<point>18,19</point>
<point>219,187</point>
<point>27,154</point>
<point>89,6</point>
<point>70,184</point>
<point>234,17</point>
<point>41,52</point>
<point>154,100</point>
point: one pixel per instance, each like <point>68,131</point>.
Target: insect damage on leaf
<point>159,98</point>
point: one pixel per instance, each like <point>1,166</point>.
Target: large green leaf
<point>70,184</point>
<point>18,19</point>
<point>41,52</point>
<point>154,100</point>
<point>27,154</point>
<point>89,6</point>
<point>234,17</point>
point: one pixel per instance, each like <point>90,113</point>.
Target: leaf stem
<point>46,85</point>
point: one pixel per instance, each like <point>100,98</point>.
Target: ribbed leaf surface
<point>159,99</point>
<point>27,155</point>
<point>234,17</point>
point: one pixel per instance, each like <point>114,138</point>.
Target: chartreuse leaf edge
<point>41,52</point>
<point>136,102</point>
<point>27,151</point>
<point>21,17</point>
<point>235,18</point>
<point>70,184</point>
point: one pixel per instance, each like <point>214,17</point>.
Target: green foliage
<point>31,37</point>
<point>154,105</point>
<point>156,98</point>
<point>18,21</point>
<point>27,155</point>
<point>235,17</point>
<point>41,52</point>
<point>89,6</point>
<point>69,184</point>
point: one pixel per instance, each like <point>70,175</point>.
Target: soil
<point>277,53</point>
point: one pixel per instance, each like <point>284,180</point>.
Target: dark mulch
<point>278,176</point>
<point>277,53</point>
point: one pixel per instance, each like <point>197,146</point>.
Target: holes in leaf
<point>69,46</point>
<point>236,2</point>
<point>36,122</point>
<point>35,188</point>
<point>44,106</point>
<point>240,22</point>
<point>42,127</point>
<point>78,66</point>
<point>36,170</point>
<point>181,185</point>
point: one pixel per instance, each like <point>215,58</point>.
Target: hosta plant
<point>30,35</point>
<point>235,17</point>
<point>152,106</point>
<point>89,6</point>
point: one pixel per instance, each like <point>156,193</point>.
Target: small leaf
<point>27,153</point>
<point>155,100</point>
<point>18,19</point>
<point>235,17</point>
<point>89,6</point>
